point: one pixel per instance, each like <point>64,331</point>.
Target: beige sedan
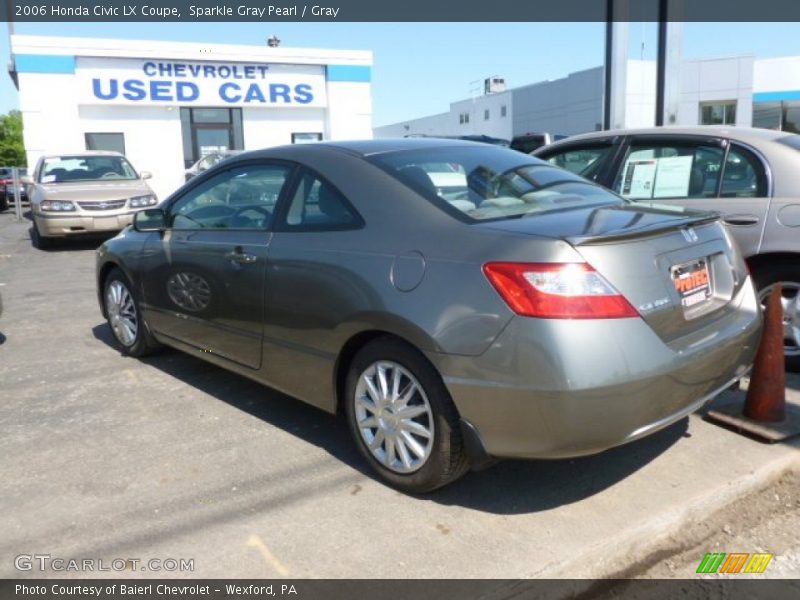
<point>86,192</point>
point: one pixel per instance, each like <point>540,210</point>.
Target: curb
<point>617,552</point>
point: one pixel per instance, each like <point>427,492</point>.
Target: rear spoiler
<point>631,233</point>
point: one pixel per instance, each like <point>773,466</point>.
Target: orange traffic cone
<point>766,395</point>
<point>767,415</point>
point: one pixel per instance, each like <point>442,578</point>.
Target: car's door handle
<point>241,257</point>
<point>741,220</point>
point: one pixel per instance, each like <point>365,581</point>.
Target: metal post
<point>609,58</point>
<point>616,63</point>
<point>17,196</point>
<point>661,62</point>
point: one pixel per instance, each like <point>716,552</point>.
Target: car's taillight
<point>557,291</point>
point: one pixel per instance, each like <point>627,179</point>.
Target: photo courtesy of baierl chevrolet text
<point>424,300</point>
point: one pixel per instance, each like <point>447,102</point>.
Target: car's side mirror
<point>150,219</point>
<point>145,175</point>
<point>26,180</point>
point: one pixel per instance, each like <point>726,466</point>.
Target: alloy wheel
<point>394,417</point>
<point>122,313</point>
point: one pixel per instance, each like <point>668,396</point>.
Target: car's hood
<point>581,225</point>
<point>94,190</point>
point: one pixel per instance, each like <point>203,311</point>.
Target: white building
<point>738,90</point>
<point>166,104</point>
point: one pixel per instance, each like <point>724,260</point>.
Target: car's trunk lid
<point>677,267</point>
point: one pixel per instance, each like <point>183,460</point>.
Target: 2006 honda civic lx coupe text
<point>517,311</point>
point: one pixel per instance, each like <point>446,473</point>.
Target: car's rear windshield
<point>63,169</point>
<point>487,182</point>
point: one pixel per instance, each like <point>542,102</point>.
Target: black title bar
<point>388,11</point>
<point>699,588</point>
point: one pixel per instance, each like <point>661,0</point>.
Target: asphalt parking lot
<point>111,457</point>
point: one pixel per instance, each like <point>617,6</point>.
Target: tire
<point>38,240</point>
<point>443,459</point>
<point>789,276</point>
<point>3,203</point>
<point>130,331</point>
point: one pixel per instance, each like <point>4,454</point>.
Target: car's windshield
<point>488,182</point>
<point>62,169</point>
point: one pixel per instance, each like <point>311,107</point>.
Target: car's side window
<point>240,198</point>
<point>744,175</point>
<point>316,205</point>
<point>585,161</point>
<point>670,170</point>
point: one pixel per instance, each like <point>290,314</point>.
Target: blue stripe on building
<point>776,96</point>
<point>349,73</point>
<point>44,63</point>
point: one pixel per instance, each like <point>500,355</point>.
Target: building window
<point>306,138</point>
<point>718,113</point>
<point>791,117</point>
<point>767,115</point>
<point>486,114</point>
<point>114,142</point>
<point>781,116</point>
<point>466,117</point>
<point>503,110</point>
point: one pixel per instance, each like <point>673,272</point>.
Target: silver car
<point>84,192</point>
<point>520,312</point>
<point>750,176</point>
<point>208,161</point>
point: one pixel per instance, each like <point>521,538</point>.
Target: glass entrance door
<point>210,139</point>
<point>209,131</point>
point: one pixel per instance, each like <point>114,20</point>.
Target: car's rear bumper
<point>67,225</point>
<point>569,388</point>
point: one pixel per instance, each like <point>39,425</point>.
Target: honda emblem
<point>689,235</point>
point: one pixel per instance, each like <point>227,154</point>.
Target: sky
<point>419,68</point>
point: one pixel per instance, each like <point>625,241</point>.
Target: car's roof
<point>379,146</point>
<point>744,134</point>
<point>85,153</point>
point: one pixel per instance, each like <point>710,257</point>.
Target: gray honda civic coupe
<point>456,302</point>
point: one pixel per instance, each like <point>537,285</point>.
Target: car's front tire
<point>38,240</point>
<point>788,275</point>
<point>402,418</point>
<point>129,329</point>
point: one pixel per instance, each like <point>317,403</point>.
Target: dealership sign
<point>187,83</point>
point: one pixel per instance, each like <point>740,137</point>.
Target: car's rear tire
<point>788,276</point>
<point>128,327</point>
<point>396,401</point>
<point>3,202</point>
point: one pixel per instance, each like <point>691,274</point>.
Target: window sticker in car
<point>672,177</point>
<point>664,177</point>
<point>639,178</point>
<point>48,178</point>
